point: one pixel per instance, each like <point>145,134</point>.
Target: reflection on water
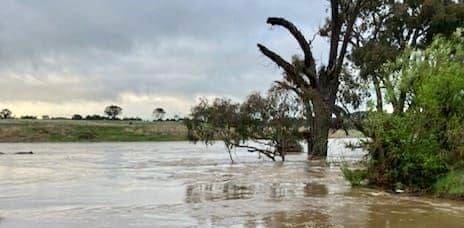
<point>182,185</point>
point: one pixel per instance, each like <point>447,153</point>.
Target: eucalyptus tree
<point>112,111</point>
<point>158,113</point>
<point>389,28</point>
<point>318,85</point>
<point>363,35</point>
<point>5,114</point>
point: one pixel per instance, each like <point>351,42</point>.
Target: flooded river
<point>177,184</point>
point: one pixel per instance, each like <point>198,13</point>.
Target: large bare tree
<point>318,86</point>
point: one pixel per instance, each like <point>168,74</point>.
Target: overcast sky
<point>60,57</point>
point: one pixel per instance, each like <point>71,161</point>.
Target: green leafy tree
<point>391,27</point>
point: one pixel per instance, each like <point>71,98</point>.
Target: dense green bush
<point>423,138</point>
<point>450,185</point>
<point>403,153</point>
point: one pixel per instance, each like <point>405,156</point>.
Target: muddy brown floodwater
<point>178,184</point>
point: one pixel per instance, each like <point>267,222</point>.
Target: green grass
<point>89,131</point>
<point>451,185</point>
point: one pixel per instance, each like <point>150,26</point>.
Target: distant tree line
<point>111,112</point>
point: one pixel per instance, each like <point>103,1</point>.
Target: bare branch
<point>288,68</point>
<point>346,39</point>
<point>252,149</point>
<point>310,64</point>
<point>304,45</point>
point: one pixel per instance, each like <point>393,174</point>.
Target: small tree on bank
<point>113,111</point>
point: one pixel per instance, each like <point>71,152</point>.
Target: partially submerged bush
<point>355,176</point>
<point>270,122</point>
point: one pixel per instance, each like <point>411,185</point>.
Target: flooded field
<point>177,184</point>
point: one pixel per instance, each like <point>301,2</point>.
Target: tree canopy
<point>5,114</point>
<point>112,111</point>
<point>264,124</point>
<point>158,113</point>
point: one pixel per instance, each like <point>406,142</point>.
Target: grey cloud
<point>96,50</point>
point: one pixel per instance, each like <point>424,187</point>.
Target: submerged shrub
<point>356,177</point>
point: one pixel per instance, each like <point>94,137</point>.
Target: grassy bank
<point>16,130</point>
<point>89,131</point>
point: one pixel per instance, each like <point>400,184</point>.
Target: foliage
<point>356,177</point>
<point>5,114</point>
<point>77,117</point>
<point>403,152</point>
<point>96,117</point>
<point>132,119</point>
<point>28,117</point>
<point>113,111</point>
<point>158,113</point>
<point>269,121</point>
<point>389,27</point>
<point>451,185</point>
<point>417,145</point>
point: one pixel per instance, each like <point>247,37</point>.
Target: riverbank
<point>90,131</point>
<point>448,186</point>
<point>16,130</point>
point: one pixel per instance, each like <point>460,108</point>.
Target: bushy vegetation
<point>451,185</point>
<point>271,121</point>
<point>356,176</point>
<point>421,144</point>
<point>403,152</point>
<point>28,117</point>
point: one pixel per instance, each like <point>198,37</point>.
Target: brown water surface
<point>178,184</point>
